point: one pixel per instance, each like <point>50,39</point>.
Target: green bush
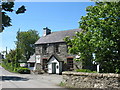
<point>85,70</point>
<point>62,84</point>
<point>117,71</point>
<point>7,66</point>
<point>22,70</point>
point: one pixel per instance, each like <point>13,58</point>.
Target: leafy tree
<point>8,7</point>
<point>100,39</point>
<point>25,43</point>
<point>9,62</point>
<point>25,48</point>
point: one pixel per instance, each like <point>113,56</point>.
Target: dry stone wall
<point>91,80</point>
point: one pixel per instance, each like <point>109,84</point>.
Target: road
<point>13,80</point>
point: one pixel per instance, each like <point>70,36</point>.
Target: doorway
<point>53,68</point>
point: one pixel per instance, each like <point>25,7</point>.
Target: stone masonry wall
<point>63,54</point>
<point>91,80</point>
<point>50,51</point>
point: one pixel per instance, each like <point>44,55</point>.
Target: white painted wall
<point>53,60</point>
<point>38,57</point>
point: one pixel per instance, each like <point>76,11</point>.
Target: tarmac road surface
<point>13,80</point>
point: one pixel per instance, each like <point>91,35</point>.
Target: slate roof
<point>32,58</point>
<point>58,36</point>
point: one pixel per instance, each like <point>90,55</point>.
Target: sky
<point>57,16</point>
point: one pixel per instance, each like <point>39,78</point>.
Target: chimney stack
<point>46,31</point>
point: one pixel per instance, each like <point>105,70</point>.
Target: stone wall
<point>91,80</point>
<point>63,54</point>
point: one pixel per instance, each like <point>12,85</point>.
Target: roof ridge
<point>67,30</point>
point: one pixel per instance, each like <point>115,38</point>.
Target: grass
<point>62,84</point>
<point>8,68</point>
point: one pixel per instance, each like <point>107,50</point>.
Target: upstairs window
<point>56,48</point>
<point>44,49</point>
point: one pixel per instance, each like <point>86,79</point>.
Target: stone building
<point>51,52</point>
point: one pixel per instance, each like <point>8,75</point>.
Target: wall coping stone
<point>91,74</point>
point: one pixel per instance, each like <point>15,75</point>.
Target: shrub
<point>22,70</point>
<point>62,84</point>
<point>7,66</point>
<point>85,70</point>
<point>117,71</point>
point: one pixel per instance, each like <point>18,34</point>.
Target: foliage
<point>25,48</point>
<point>8,7</point>
<point>22,70</point>
<point>25,43</point>
<point>62,84</point>
<point>85,70</point>
<point>8,66</point>
<point>10,63</point>
<point>100,39</point>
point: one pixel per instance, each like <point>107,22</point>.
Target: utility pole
<point>6,51</point>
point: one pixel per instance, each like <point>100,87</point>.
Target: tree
<point>25,43</point>
<point>9,62</point>
<point>100,39</point>
<point>8,7</point>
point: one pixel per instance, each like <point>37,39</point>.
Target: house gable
<point>54,57</point>
<point>54,65</point>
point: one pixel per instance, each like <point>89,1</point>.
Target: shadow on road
<point>13,78</point>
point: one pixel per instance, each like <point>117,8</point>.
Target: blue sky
<point>55,15</point>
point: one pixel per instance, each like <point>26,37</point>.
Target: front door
<point>54,68</point>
